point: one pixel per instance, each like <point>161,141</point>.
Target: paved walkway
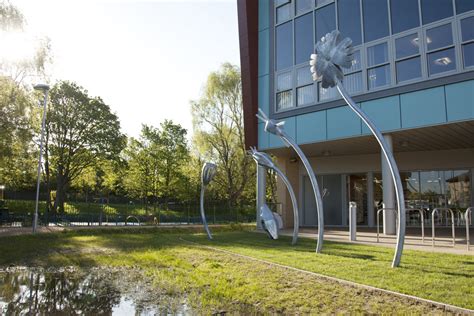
<point>368,236</point>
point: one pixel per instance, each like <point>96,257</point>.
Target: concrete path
<point>368,236</point>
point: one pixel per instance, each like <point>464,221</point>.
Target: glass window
<point>467,28</point>
<point>284,46</point>
<point>283,13</point>
<point>439,37</point>
<point>323,2</point>
<point>303,76</point>
<point>379,76</point>
<point>356,63</point>
<point>280,2</point>
<point>375,19</point>
<point>407,46</point>
<point>305,95</point>
<point>327,94</point>
<point>457,184</point>
<point>468,54</point>
<point>404,14</point>
<point>325,21</point>
<point>303,38</point>
<point>377,54</point>
<point>303,6</point>
<point>408,69</point>
<point>284,100</point>
<point>353,82</point>
<point>433,12</point>
<point>284,81</point>
<point>349,20</point>
<point>432,189</point>
<point>464,6</point>
<point>441,61</point>
<point>411,188</point>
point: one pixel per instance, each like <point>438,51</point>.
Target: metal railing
<point>439,210</point>
<point>467,219</point>
<point>422,218</point>
<point>378,218</point>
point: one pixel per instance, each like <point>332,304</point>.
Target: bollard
<point>352,221</point>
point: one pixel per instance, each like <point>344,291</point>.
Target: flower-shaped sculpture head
<point>271,126</point>
<point>208,172</point>
<point>261,158</point>
<point>268,221</point>
<point>332,54</point>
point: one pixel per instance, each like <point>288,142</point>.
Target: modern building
<point>413,74</point>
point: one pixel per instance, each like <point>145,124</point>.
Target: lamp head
<point>41,87</point>
<point>208,172</point>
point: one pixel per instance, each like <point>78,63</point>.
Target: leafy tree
<point>219,133</point>
<point>81,130</point>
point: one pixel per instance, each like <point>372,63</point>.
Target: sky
<point>146,59</point>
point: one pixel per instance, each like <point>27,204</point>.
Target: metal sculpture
<point>333,54</point>
<point>264,160</point>
<point>208,172</point>
<point>276,128</point>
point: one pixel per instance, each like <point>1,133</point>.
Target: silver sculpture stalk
<point>275,128</point>
<point>208,172</point>
<point>264,160</point>
<point>332,54</point>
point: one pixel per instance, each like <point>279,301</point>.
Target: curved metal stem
<point>393,170</point>
<point>296,222</point>
<point>203,215</point>
<point>314,184</point>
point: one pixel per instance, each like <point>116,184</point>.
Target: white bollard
<point>352,221</point>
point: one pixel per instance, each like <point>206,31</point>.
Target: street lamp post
<point>44,88</point>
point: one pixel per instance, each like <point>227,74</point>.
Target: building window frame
<point>457,45</point>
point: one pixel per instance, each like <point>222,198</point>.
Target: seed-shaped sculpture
<point>275,128</point>
<point>333,54</point>
<point>264,160</point>
<point>208,172</point>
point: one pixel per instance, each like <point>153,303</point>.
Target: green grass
<point>214,280</point>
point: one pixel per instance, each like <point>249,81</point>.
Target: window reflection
<point>431,12</point>
<point>407,46</point>
<point>305,95</point>
<point>404,15</point>
<point>284,100</point>
<point>284,46</point>
<point>408,69</point>
<point>303,5</point>
<point>325,20</point>
<point>349,20</point>
<point>458,188</point>
<point>378,76</point>
<point>327,94</point>
<point>441,61</point>
<point>375,19</point>
<point>377,54</point>
<point>439,37</point>
<point>283,13</point>
<point>303,38</point>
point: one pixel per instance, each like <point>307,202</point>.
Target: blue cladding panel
<point>421,108</point>
<point>263,14</point>
<point>385,113</point>
<point>342,122</point>
<point>311,127</point>
<point>460,100</point>
<point>262,137</point>
<point>264,93</point>
<point>263,52</point>
<point>290,128</point>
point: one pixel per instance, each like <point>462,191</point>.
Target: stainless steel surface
<point>353,221</point>
<point>264,160</point>
<point>268,221</point>
<point>45,89</point>
<point>439,210</point>
<point>275,128</point>
<point>467,214</point>
<point>332,54</point>
<point>208,172</point>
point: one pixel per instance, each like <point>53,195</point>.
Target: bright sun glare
<point>17,46</point>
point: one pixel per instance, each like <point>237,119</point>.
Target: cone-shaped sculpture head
<point>271,126</point>
<point>268,221</point>
<point>332,54</point>
<point>262,158</point>
<point>208,172</point>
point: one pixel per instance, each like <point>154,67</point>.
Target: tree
<point>156,161</point>
<point>219,132</point>
<point>80,130</point>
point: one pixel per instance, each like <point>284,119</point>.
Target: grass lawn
<point>214,281</point>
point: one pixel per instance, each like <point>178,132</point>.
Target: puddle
<point>68,291</point>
